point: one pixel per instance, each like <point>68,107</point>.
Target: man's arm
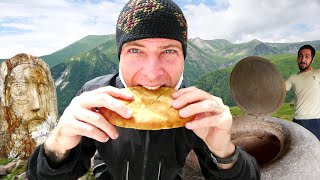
<point>245,167</point>
<point>212,124</point>
<point>73,166</point>
<point>61,152</point>
<point>288,84</point>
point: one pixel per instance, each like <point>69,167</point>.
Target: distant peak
<point>94,37</point>
<point>196,39</point>
<point>222,40</point>
<point>89,36</point>
<point>255,41</point>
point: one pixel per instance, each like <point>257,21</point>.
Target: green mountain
<point>74,72</point>
<point>85,44</point>
<point>198,63</point>
<point>92,56</point>
<point>235,52</point>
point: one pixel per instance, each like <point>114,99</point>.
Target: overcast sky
<point>41,27</point>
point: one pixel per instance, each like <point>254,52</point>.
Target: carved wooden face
<point>30,98</point>
<point>28,93</point>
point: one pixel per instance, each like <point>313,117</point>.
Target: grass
<point>15,172</point>
<point>286,111</point>
<point>236,111</point>
<point>5,161</point>
<point>88,176</point>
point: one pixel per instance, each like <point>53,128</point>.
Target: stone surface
<point>13,170</point>
<point>2,171</point>
<point>10,166</point>
<point>22,176</point>
<point>28,105</point>
<point>301,159</point>
<point>286,150</point>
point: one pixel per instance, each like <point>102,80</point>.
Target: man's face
<point>152,62</point>
<point>29,94</point>
<point>304,59</point>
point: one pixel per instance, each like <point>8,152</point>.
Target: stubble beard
<point>303,69</point>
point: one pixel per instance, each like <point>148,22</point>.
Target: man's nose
<point>35,101</point>
<point>304,58</point>
<point>153,67</point>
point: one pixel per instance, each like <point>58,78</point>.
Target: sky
<point>43,27</point>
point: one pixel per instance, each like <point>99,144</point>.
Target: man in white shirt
<point>306,88</point>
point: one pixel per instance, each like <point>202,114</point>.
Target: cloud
<point>42,27</point>
<point>266,20</point>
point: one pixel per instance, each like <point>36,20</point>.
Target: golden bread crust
<point>152,110</point>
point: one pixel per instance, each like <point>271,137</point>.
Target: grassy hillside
<point>217,83</point>
<point>286,111</point>
<point>79,70</point>
<point>85,44</point>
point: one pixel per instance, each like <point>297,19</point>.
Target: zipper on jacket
<point>145,156</point>
<point>159,171</point>
<point>127,171</point>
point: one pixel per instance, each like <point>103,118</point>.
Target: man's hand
<point>81,118</point>
<point>212,122</point>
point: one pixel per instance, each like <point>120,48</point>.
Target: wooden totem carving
<point>28,109</point>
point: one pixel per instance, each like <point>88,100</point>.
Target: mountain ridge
<point>95,55</point>
<point>203,57</point>
<point>84,44</point>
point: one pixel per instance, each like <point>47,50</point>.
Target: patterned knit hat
<point>141,19</point>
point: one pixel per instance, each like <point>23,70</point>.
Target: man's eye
<point>19,90</point>
<point>169,51</point>
<point>134,50</point>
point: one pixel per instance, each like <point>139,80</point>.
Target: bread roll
<point>151,110</point>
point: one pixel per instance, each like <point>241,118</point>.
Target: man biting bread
<point>151,38</point>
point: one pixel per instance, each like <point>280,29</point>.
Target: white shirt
<point>306,88</point>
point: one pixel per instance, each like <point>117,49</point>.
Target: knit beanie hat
<point>141,19</point>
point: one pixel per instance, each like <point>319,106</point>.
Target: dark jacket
<point>138,154</point>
